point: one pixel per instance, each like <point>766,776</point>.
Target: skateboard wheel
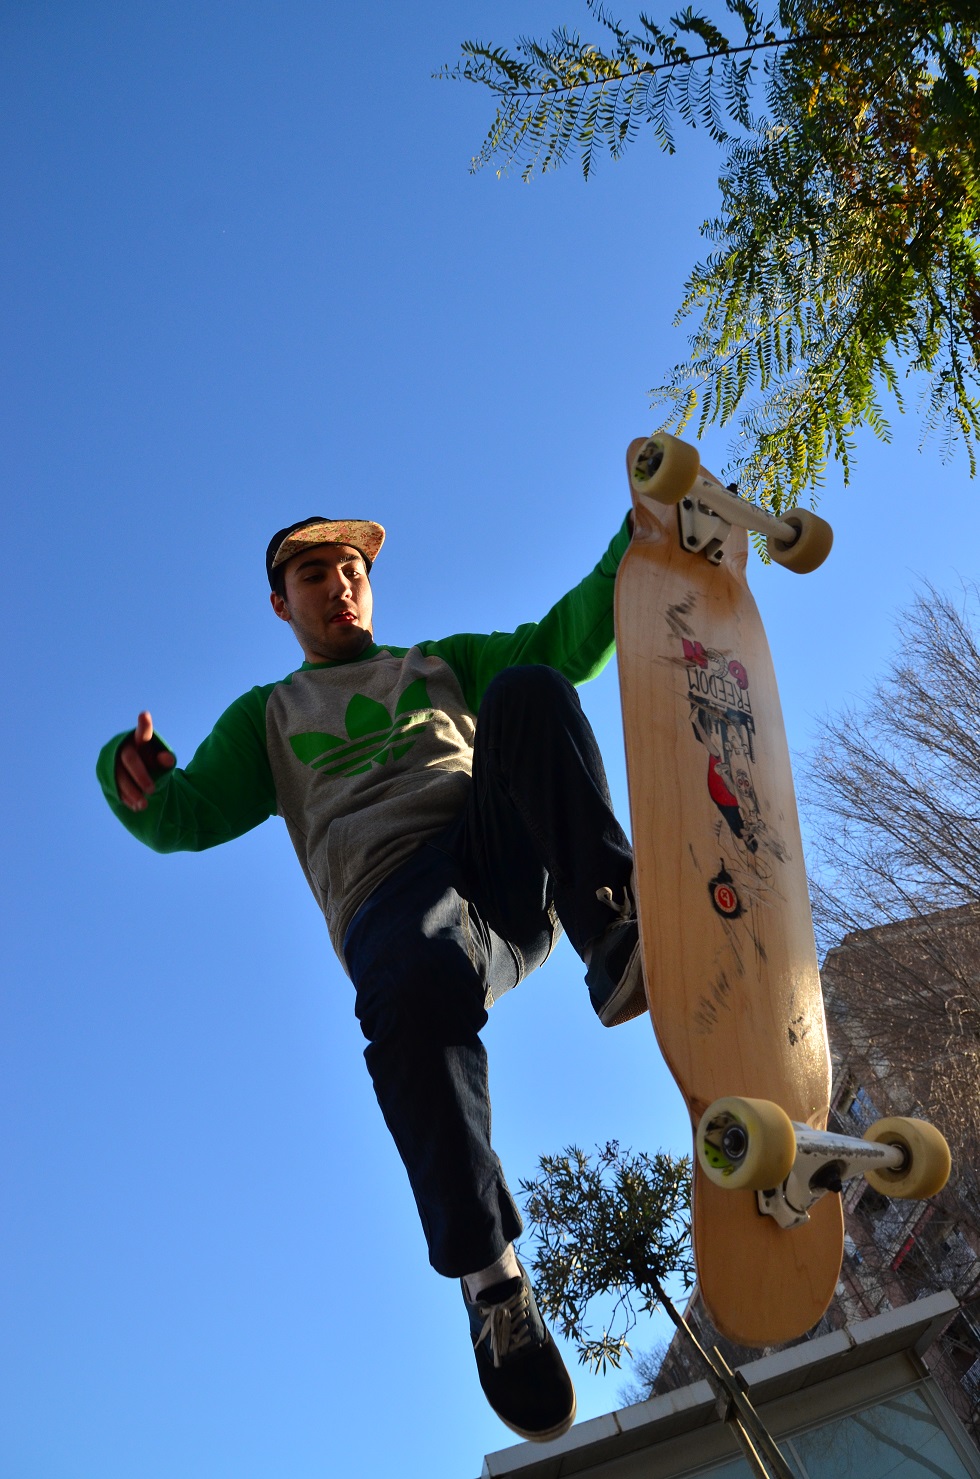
<point>663,467</point>
<point>746,1144</point>
<point>810,547</point>
<point>927,1159</point>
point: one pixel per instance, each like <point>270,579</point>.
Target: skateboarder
<point>449,808</point>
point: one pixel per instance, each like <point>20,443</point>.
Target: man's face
<point>328,602</point>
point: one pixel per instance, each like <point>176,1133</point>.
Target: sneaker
<point>521,1370</point>
<point>615,973</point>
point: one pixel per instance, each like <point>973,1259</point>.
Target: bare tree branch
<point>892,800</point>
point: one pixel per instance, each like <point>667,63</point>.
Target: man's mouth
<point>344,618</point>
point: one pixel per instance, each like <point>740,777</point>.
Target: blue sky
<point>247,276</point>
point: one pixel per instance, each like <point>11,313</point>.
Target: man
<point>447,852</point>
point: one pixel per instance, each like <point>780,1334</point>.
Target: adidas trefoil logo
<point>373,735</point>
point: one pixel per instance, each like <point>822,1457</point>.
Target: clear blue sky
<point>246,276</point>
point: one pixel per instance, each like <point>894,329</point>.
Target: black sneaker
<point>521,1370</point>
<point>615,973</point>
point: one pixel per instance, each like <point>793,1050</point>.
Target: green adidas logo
<point>373,735</point>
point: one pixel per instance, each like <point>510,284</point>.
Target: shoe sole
<point>630,1000</point>
<point>558,1431</point>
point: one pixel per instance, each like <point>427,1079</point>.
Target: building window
<point>902,1438</point>
<point>862,1109</point>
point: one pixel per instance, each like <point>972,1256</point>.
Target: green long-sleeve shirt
<point>364,760</point>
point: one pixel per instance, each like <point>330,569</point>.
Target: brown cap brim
<point>361,534</point>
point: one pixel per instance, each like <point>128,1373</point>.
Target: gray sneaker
<point>521,1370</point>
<point>615,973</point>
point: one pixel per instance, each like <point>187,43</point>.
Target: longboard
<point>725,926</point>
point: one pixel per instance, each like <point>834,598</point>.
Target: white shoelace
<point>507,1325</point>
<point>624,911</point>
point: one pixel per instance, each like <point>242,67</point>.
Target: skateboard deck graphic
<point>725,924</point>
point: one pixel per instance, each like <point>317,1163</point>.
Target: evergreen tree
<point>608,1232</point>
<point>845,251</point>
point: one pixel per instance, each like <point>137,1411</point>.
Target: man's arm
<point>576,636</point>
<point>225,790</point>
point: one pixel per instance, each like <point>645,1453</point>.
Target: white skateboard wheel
<point>663,467</point>
<point>745,1144</point>
<point>927,1158</point>
<point>809,549</point>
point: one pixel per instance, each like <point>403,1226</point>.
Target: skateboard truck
<point>751,1144</point>
<point>823,1163</point>
<point>669,471</point>
<point>706,515</point>
<point>702,529</point>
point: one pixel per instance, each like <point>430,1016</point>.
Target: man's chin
<point>344,642</point>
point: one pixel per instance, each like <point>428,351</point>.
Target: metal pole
<point>735,1408</point>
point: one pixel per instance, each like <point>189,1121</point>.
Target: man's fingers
<point>130,765</point>
<point>144,727</point>
<point>166,759</point>
<point>129,795</point>
<point>129,791</point>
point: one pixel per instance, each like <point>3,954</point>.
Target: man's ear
<point>279,605</point>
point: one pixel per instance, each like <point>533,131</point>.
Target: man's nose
<point>339,584</point>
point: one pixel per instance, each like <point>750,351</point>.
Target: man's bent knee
<point>527,684</point>
<point>422,999</point>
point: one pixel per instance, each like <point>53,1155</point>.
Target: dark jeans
<point>461,922</point>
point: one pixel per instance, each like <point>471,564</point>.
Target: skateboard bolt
<point>828,1178</point>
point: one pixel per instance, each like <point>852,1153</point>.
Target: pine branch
<point>847,244</point>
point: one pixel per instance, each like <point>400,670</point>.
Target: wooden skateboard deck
<point>725,926</point>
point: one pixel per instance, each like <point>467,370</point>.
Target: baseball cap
<point>360,534</point>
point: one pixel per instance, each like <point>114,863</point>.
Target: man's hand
<point>138,756</point>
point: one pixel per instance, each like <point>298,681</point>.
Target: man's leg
<point>424,964</point>
<point>539,829</point>
<point>538,838</point>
